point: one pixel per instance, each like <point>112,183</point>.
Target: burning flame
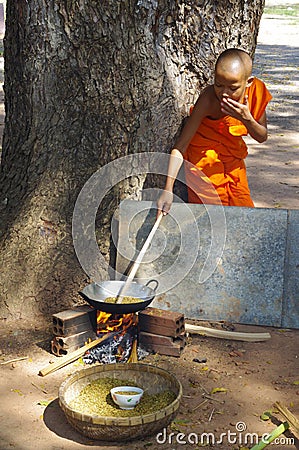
<point>107,322</point>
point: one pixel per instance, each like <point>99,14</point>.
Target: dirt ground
<point>272,167</point>
<point>253,375</point>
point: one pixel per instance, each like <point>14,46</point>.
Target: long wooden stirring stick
<point>138,260</point>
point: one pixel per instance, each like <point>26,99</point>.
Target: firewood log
<point>71,357</point>
<point>234,335</point>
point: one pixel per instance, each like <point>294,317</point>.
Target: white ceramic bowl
<point>126,397</point>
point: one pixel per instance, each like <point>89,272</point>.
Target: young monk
<point>211,139</point>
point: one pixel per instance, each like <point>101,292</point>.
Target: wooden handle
<point>71,357</point>
<point>138,260</point>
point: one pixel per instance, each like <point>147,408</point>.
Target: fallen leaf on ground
<point>18,391</point>
<point>44,402</point>
<point>220,389</point>
<point>266,415</point>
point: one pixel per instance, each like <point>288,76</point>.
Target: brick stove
<point>158,331</point>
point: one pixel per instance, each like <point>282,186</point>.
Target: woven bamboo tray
<point>151,378</point>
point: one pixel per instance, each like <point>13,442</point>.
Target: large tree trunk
<point>85,83</point>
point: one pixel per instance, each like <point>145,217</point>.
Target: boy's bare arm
<point>256,129</point>
<point>200,110</point>
<point>166,198</point>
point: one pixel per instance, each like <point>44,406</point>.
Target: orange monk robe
<point>217,173</point>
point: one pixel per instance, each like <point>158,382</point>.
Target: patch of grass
<point>283,10</point>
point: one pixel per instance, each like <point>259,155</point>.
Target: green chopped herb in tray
<point>95,399</point>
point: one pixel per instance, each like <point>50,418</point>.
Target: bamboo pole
<point>234,335</point>
<point>293,421</point>
<point>71,357</point>
<point>271,437</point>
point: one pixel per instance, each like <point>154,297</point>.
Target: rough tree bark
<point>85,83</point>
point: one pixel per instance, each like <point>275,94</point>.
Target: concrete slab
<point>290,313</point>
<point>214,263</point>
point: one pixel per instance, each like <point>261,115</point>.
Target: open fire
<point>122,344</point>
<point>107,322</point>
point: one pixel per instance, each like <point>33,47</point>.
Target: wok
<point>96,293</point>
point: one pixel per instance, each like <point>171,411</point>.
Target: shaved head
<point>235,61</point>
